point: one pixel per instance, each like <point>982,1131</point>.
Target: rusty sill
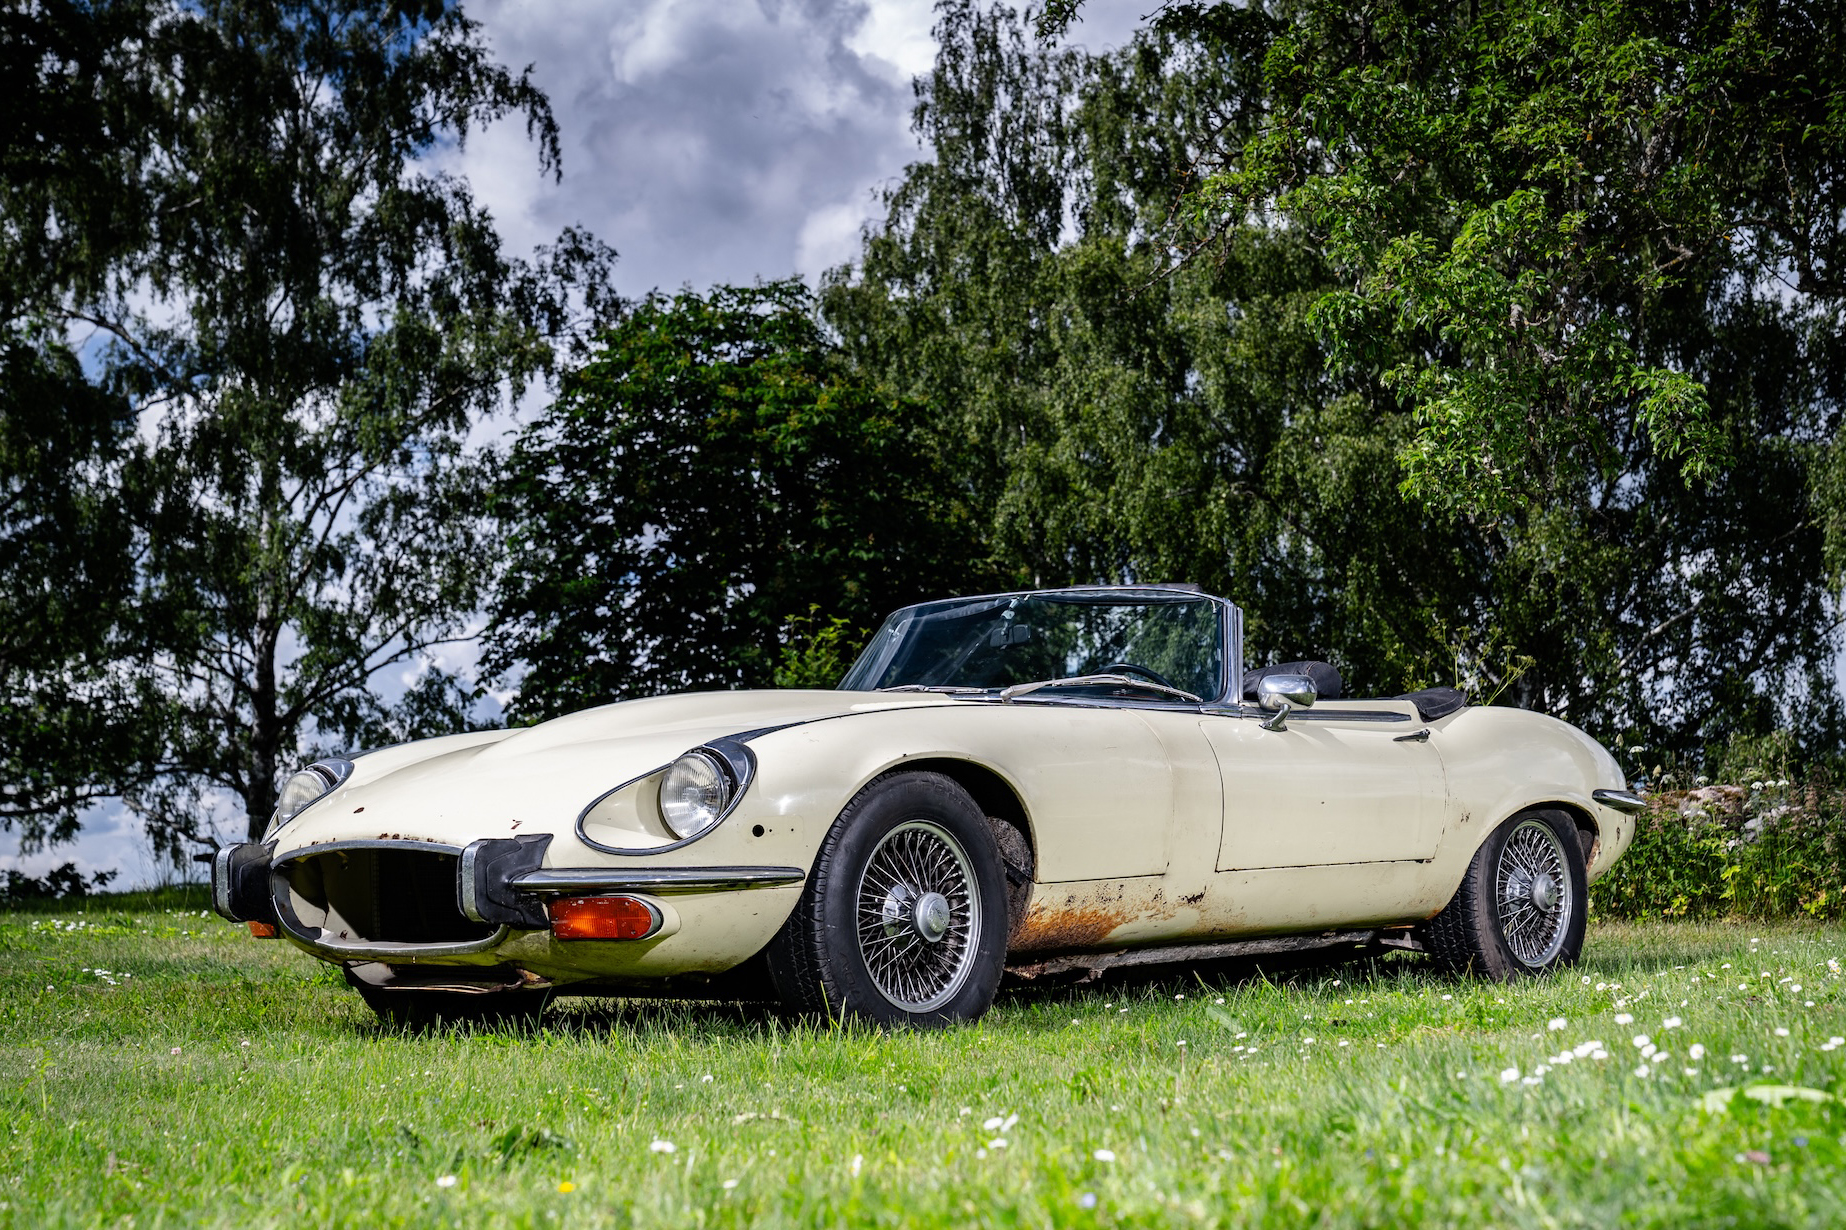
<point>1093,964</point>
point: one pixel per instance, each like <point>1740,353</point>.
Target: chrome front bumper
<point>498,889</point>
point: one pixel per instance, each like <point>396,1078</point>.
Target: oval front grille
<point>381,895</point>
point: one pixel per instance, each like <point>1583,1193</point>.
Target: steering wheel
<point>1116,668</point>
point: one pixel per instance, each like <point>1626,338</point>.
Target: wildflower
<point>1643,1070</point>
<point>706,1079</point>
<point>858,1160</point>
<point>567,1187</point>
<point>660,1146</point>
<point>729,1184</point>
<point>1509,1075</point>
<point>1599,1054</point>
<point>1104,1155</point>
<point>1448,997</point>
<point>175,1050</point>
<point>1624,1018</point>
<point>1086,1200</point>
<point>447,1180</point>
<point>1671,1022</point>
<point>1641,1040</point>
<point>1696,1050</point>
<point>1781,1032</point>
<point>998,1142</point>
<point>1182,1042</point>
<point>1556,1023</point>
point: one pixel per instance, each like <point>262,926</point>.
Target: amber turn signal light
<point>603,918</point>
<point>262,930</point>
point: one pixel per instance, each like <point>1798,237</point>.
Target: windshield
<point>1173,639</point>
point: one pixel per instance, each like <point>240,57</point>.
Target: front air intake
<point>379,894</point>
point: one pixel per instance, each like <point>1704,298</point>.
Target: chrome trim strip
<point>1309,715</point>
<point>1621,800</point>
<point>470,906</point>
<point>345,949</point>
<point>1082,681</point>
<point>221,883</point>
<point>661,881</point>
<point>376,843</point>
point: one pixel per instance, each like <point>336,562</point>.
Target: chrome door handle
<point>1421,736</point>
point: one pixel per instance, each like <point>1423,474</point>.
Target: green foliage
<point>713,467</point>
<point>819,650</point>
<point>1131,392</point>
<point>60,883</point>
<point>309,325</point>
<point>72,715</point>
<point>1526,200</point>
<point>1762,835</point>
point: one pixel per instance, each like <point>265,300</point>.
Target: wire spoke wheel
<point>918,916</point>
<point>1534,894</point>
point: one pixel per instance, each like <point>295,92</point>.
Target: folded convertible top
<point>1433,703</point>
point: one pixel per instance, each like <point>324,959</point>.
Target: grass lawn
<point>160,1067</point>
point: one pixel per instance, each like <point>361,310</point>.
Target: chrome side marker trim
<point>660,881</point>
<point>1621,800</point>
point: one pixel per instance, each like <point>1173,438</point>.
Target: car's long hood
<point>543,776</point>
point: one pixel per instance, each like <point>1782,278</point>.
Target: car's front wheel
<point>1523,905</point>
<point>903,921</point>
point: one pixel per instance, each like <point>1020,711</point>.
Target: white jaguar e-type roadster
<point>1051,781</point>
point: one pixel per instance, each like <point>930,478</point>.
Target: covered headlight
<point>306,788</point>
<point>694,794</point>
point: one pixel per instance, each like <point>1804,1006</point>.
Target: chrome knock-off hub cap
<point>932,917</point>
<point>919,916</point>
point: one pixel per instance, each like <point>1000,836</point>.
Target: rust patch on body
<point>1050,929</point>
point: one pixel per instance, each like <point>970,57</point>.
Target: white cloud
<point>715,140</point>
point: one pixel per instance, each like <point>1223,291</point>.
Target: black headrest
<point>1326,677</point>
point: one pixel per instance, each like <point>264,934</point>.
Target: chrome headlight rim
<point>731,752</point>
<point>332,772</point>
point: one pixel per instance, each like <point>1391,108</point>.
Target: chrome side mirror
<point>1278,694</point>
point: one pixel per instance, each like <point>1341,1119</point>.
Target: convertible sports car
<point>1054,781</point>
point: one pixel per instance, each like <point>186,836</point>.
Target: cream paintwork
<point>1325,791</point>
<point>1124,806</point>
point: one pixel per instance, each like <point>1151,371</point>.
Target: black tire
<point>1522,908</point>
<point>419,1011</point>
<point>866,942</point>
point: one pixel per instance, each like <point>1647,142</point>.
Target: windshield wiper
<point>947,689</point>
<point>1080,681</point>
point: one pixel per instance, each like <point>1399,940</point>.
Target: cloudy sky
<point>706,141</point>
<point>717,140</point>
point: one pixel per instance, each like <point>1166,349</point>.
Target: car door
<point>1347,782</point>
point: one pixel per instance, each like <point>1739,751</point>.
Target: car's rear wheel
<point>1523,905</point>
<point>904,919</point>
